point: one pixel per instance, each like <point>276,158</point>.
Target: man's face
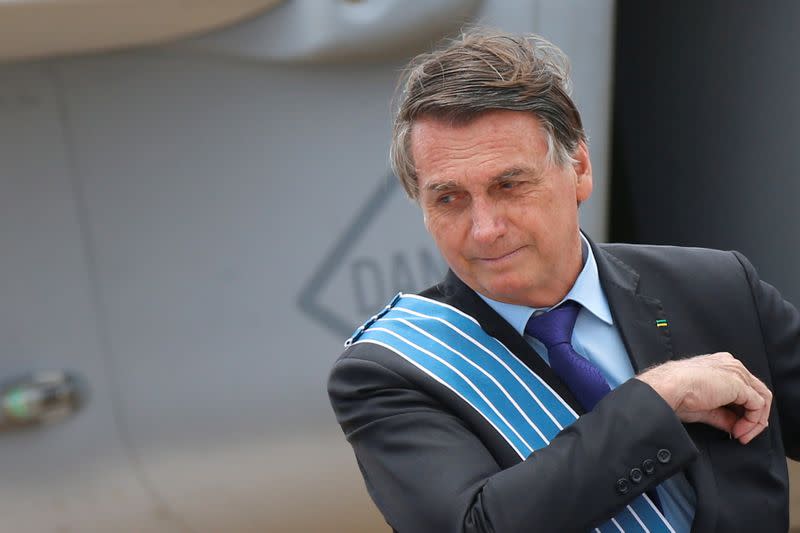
<point>504,219</point>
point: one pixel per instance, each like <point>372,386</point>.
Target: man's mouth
<point>501,257</point>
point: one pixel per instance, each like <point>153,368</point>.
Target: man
<point>485,403</point>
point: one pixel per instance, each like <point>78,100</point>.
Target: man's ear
<point>583,173</point>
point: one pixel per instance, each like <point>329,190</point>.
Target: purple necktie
<point>584,379</point>
<point>554,330</point>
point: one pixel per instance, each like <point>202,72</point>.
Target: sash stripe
<point>451,347</point>
<point>462,385</point>
<point>639,520</point>
<point>507,409</point>
<point>471,326</point>
<point>445,384</point>
<point>627,521</point>
<point>505,364</point>
<point>649,513</point>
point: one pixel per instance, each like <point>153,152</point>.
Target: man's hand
<point>714,389</point>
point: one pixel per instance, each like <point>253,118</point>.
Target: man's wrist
<point>661,380</point>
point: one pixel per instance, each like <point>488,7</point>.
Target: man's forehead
<point>432,123</point>
<point>498,130</point>
<point>495,145</point>
<point>447,120</point>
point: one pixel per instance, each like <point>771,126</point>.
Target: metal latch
<point>40,398</point>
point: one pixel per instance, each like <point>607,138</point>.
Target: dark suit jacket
<point>433,464</point>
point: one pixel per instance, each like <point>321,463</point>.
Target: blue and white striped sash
<point>452,348</point>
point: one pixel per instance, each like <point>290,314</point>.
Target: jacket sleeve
<point>780,330</point>
<point>428,472</point>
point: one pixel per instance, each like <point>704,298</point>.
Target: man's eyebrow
<point>514,172</point>
<point>510,173</point>
<point>439,186</point>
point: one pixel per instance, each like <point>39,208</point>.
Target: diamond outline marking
<point>330,264</point>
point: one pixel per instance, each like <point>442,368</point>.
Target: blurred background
<point>196,210</point>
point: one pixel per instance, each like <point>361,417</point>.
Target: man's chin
<point>509,288</point>
<point>504,292</point>
<point>518,293</point>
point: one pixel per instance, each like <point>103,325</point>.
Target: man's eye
<point>445,199</point>
<point>508,184</point>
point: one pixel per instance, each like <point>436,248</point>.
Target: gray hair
<point>484,70</point>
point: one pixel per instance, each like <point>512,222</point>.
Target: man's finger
<point>721,418</point>
<point>765,393</point>
<point>745,431</point>
<point>757,411</point>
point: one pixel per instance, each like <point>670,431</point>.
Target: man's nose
<point>488,221</point>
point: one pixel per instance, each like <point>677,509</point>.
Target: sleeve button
<point>635,475</point>
<point>623,487</point>
<point>664,456</point>
<point>649,466</point>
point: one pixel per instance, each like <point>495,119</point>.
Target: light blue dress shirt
<point>597,339</point>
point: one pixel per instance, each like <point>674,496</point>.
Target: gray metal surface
<point>54,475</point>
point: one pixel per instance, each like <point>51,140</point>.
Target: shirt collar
<point>586,291</point>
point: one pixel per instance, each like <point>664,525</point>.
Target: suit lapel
<point>455,292</point>
<point>640,318</point>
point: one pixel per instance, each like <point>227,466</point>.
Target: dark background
<point>705,129</point>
